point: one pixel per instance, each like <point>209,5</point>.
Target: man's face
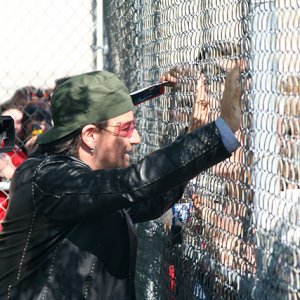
<point>113,150</point>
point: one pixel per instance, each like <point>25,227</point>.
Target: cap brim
<point>54,134</point>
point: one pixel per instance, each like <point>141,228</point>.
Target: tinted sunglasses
<point>123,129</point>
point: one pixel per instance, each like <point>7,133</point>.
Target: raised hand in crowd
<point>230,105</point>
<point>7,168</point>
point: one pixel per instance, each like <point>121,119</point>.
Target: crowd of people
<point>30,109</point>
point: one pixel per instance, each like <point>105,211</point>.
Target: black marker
<point>148,93</point>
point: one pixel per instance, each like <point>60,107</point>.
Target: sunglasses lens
<point>126,129</point>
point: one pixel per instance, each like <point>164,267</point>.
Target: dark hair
<point>20,98</point>
<point>33,112</point>
<point>24,96</point>
<point>219,49</point>
<point>68,145</point>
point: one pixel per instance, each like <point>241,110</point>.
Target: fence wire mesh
<point>236,232</point>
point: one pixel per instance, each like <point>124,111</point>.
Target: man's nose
<point>135,137</point>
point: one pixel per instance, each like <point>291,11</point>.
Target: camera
<point>7,134</point>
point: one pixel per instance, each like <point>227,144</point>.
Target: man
<point>68,230</point>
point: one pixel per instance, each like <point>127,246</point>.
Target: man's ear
<point>88,135</point>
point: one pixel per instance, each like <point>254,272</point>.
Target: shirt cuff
<point>228,138</point>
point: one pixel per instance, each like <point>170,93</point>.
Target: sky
<point>42,41</point>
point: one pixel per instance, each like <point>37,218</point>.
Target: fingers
<point>201,88</point>
<point>233,82</point>
<point>231,101</point>
<point>174,74</point>
<point>168,77</point>
<point>233,76</point>
<point>199,115</point>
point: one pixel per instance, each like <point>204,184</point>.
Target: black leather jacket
<point>68,231</point>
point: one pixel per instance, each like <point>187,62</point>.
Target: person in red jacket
<point>10,161</point>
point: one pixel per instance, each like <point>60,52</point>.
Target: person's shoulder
<point>30,162</point>
<point>26,169</point>
<point>48,168</point>
<point>59,165</point>
<point>63,159</point>
<point>43,159</point>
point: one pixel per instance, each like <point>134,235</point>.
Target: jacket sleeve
<point>65,189</point>
<point>154,208</point>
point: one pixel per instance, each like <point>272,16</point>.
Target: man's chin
<point>126,161</point>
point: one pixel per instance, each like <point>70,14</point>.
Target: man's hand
<point>175,74</point>
<point>202,106</point>
<point>231,103</point>
<point>7,168</point>
<point>170,76</point>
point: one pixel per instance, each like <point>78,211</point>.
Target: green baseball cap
<point>84,99</point>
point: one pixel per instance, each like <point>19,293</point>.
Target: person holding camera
<point>10,160</point>
<point>68,232</point>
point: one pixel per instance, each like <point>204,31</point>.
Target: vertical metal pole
<point>268,67</point>
<point>100,33</point>
<point>97,43</point>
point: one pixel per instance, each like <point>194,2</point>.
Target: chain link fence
<point>236,232</point>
